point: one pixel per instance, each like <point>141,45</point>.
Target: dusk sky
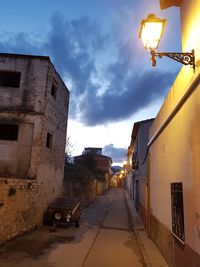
<point>94,45</point>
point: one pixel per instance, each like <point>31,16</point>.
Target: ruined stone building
<point>33,121</point>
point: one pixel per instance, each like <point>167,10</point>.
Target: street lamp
<point>151,31</point>
<point>124,163</point>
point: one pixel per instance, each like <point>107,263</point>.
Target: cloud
<point>78,48</point>
<point>22,43</point>
<point>127,94</point>
<point>71,45</point>
<point>117,154</point>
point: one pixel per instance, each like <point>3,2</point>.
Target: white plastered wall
<point>175,153</point>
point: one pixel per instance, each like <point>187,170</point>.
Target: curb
<point>151,255</point>
<point>145,260</point>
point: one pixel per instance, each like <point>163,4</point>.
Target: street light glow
<point>151,31</point>
<point>124,162</point>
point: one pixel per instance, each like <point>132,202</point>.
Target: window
<point>49,140</point>
<point>9,132</point>
<point>10,79</point>
<point>177,210</point>
<point>53,90</point>
<point>135,161</point>
<point>135,156</point>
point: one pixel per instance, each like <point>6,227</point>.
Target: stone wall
<point>23,202</point>
<point>19,207</point>
<point>86,192</point>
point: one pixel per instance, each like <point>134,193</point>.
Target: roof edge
<point>169,3</point>
<point>25,56</point>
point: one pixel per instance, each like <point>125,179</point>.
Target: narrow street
<point>105,238</point>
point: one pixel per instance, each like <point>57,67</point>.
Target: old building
<point>101,166</point>
<point>137,167</point>
<point>33,122</point>
<point>174,155</point>
<point>102,163</point>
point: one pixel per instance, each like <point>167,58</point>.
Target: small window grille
<point>10,79</point>
<point>9,132</point>
<point>177,210</point>
<point>49,140</point>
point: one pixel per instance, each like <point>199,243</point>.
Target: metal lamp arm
<point>187,58</point>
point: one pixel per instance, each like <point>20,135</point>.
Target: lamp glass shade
<point>151,31</point>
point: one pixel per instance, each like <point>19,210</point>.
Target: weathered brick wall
<point>43,176</point>
<point>55,121</point>
<point>29,97</point>
<point>10,156</point>
<point>23,209</point>
<point>19,208</point>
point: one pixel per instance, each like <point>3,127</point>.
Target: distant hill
<point>116,168</point>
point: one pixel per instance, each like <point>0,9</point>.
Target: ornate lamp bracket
<point>187,58</point>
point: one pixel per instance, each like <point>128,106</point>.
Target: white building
<point>137,167</point>
<point>174,155</point>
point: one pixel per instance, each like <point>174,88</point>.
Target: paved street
<point>105,239</point>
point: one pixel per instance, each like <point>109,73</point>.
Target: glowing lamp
<point>151,31</point>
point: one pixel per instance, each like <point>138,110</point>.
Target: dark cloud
<point>117,154</point>
<point>126,95</point>
<point>71,45</point>
<point>76,47</point>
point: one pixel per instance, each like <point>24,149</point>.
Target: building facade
<point>101,166</point>
<point>174,155</point>
<point>102,163</point>
<point>137,167</point>
<point>33,121</point>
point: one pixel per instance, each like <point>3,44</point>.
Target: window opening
<point>10,79</point>
<point>135,156</point>
<point>53,90</point>
<point>177,210</point>
<point>9,132</point>
<point>49,140</point>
